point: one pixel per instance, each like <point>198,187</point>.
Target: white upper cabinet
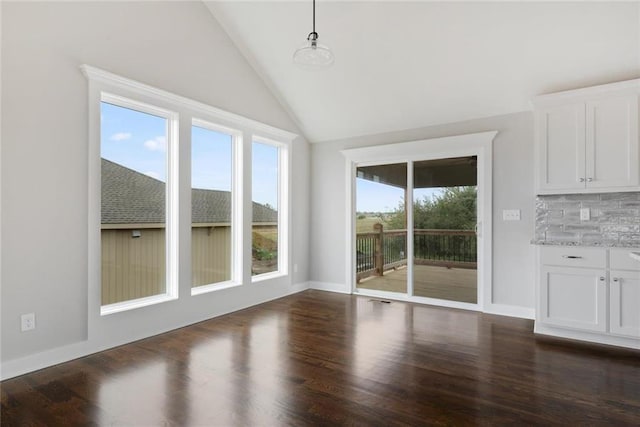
<point>562,146</point>
<point>612,142</point>
<point>587,139</point>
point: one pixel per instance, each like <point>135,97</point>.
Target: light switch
<point>511,215</point>
<point>585,214</point>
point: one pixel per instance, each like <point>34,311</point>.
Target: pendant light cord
<point>313,35</point>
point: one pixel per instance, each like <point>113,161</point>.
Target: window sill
<point>267,276</point>
<point>118,307</point>
<point>204,289</point>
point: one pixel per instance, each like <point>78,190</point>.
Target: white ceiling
<point>404,65</point>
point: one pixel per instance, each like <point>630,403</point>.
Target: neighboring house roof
<point>132,197</point>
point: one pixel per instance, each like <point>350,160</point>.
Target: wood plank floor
<point>318,358</point>
<point>453,284</point>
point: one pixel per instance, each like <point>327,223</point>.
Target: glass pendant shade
<point>313,55</point>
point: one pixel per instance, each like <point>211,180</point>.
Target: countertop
<point>587,245</point>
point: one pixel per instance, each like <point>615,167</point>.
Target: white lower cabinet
<point>624,303</point>
<point>590,294</point>
<point>574,297</point>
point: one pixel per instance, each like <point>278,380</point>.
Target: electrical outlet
<point>585,214</point>
<point>27,322</point>
<point>511,215</point>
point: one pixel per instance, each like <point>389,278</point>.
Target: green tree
<point>453,209</point>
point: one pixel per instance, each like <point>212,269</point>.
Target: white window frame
<point>171,204</point>
<point>236,207</point>
<point>187,110</point>
<point>477,144</point>
<point>283,208</point>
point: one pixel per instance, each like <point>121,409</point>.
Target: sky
<point>377,197</point>
<point>138,141</point>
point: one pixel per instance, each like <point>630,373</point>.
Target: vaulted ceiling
<point>403,65</point>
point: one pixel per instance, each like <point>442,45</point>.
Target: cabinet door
<point>625,303</point>
<point>612,142</point>
<point>561,142</point>
<point>573,298</point>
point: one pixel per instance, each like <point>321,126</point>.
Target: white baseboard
<point>511,311</point>
<point>299,287</point>
<point>45,359</point>
<point>331,287</point>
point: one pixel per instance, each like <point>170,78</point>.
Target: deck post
<point>379,257</point>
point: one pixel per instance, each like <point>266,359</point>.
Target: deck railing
<point>381,250</point>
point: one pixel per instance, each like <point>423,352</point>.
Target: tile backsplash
<point>614,219</point>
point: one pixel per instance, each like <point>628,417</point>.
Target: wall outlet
<point>511,215</point>
<point>585,214</point>
<point>27,322</point>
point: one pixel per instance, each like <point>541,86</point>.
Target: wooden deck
<point>454,284</point>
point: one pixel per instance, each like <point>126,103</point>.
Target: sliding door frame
<point>476,144</point>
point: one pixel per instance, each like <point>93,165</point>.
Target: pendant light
<point>313,55</point>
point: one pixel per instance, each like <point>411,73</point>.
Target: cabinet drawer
<point>620,259</point>
<point>572,256</point>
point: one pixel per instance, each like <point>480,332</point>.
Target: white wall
<point>513,255</point>
<point>175,46</point>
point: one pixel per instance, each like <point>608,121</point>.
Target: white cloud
<point>120,136</point>
<point>159,143</point>
<point>153,174</point>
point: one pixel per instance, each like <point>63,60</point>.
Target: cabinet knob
<point>589,179</point>
<point>581,179</point>
<point>615,279</point>
<point>602,278</point>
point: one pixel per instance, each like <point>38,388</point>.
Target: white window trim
<point>283,208</point>
<point>199,109</point>
<point>479,144</point>
<point>103,81</point>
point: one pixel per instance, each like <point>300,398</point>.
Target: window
<point>156,192</point>
<point>267,228</point>
<point>135,206</point>
<point>212,227</point>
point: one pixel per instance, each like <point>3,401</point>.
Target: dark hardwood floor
<point>319,358</point>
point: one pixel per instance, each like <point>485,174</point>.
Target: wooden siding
<point>210,255</point>
<point>132,267</point>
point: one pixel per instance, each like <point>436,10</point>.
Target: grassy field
<point>365,225</point>
<point>266,238</point>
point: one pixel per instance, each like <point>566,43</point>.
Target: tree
<point>453,209</point>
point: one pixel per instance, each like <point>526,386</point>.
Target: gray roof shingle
<point>130,197</point>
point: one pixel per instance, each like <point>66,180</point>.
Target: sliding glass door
<point>381,228</point>
<point>416,229</point>
<point>444,220</point>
